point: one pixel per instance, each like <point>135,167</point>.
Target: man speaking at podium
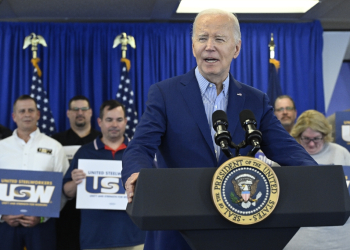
<point>178,117</point>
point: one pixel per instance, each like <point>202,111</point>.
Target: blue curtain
<point>79,59</point>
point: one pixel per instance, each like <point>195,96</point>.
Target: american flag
<point>46,123</point>
<point>125,96</point>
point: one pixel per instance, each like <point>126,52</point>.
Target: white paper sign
<point>70,151</point>
<point>102,188</point>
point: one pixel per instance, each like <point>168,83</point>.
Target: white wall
<point>335,45</point>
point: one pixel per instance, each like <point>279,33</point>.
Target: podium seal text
<point>245,190</point>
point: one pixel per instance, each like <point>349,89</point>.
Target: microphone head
<point>246,115</point>
<point>219,115</point>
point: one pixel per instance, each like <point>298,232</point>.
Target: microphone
<point>222,136</point>
<point>253,136</point>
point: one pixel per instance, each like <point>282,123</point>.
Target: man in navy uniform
<point>100,229</point>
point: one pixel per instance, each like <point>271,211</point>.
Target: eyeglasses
<point>307,140</point>
<point>283,109</point>
<point>83,109</point>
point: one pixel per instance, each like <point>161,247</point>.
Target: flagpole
<point>272,47</point>
<point>46,123</point>
<point>274,87</point>
<point>125,94</point>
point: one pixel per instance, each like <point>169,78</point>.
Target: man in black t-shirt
<point>79,114</point>
<point>4,132</point>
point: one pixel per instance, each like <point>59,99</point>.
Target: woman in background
<point>313,132</point>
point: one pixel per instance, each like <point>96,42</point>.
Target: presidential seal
<point>245,190</point>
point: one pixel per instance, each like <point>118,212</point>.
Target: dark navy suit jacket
<point>175,123</point>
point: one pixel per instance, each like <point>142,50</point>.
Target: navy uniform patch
<point>245,190</point>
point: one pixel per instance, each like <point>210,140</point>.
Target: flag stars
<point>125,96</point>
<point>46,122</point>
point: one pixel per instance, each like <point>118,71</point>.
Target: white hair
<point>236,28</point>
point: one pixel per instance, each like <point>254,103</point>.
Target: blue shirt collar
<point>100,145</point>
<point>204,83</point>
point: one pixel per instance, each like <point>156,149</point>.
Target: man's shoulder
<point>69,137</point>
<point>48,140</point>
<point>61,135</point>
<point>235,84</point>
<point>184,78</point>
<point>86,149</point>
<point>94,132</point>
<point>4,132</point>
<point>7,140</point>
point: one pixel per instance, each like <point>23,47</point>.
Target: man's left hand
<point>29,221</point>
<point>130,186</point>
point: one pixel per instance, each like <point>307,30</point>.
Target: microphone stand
<point>223,137</point>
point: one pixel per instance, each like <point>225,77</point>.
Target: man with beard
<point>285,111</point>
<point>104,228</point>
<point>79,114</point>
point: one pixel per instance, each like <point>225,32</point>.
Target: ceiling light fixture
<point>247,6</point>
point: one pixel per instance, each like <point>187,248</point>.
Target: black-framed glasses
<point>307,140</point>
<point>283,109</point>
<point>82,109</point>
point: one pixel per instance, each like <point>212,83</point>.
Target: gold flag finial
<point>272,47</point>
<point>34,40</point>
<point>124,40</point>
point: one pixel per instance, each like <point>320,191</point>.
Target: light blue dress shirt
<point>212,102</point>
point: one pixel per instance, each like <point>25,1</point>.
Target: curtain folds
<point>80,59</point>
